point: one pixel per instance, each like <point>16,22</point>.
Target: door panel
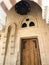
<point>29,52</point>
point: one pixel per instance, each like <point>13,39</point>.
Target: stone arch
<point>29,21</point>
<point>13,2</point>
<point>7,42</point>
<point>10,44</point>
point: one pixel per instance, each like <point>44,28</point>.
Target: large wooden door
<point>29,52</point>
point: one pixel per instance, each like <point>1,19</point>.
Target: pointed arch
<point>10,43</point>
<point>7,42</point>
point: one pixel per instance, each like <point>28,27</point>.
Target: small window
<point>24,25</point>
<point>27,19</point>
<point>32,24</point>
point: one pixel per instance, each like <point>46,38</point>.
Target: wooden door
<point>29,52</point>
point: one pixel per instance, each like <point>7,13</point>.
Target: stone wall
<point>11,39</point>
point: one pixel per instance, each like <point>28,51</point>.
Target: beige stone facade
<point>10,39</point>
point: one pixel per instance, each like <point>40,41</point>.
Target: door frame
<point>34,38</point>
